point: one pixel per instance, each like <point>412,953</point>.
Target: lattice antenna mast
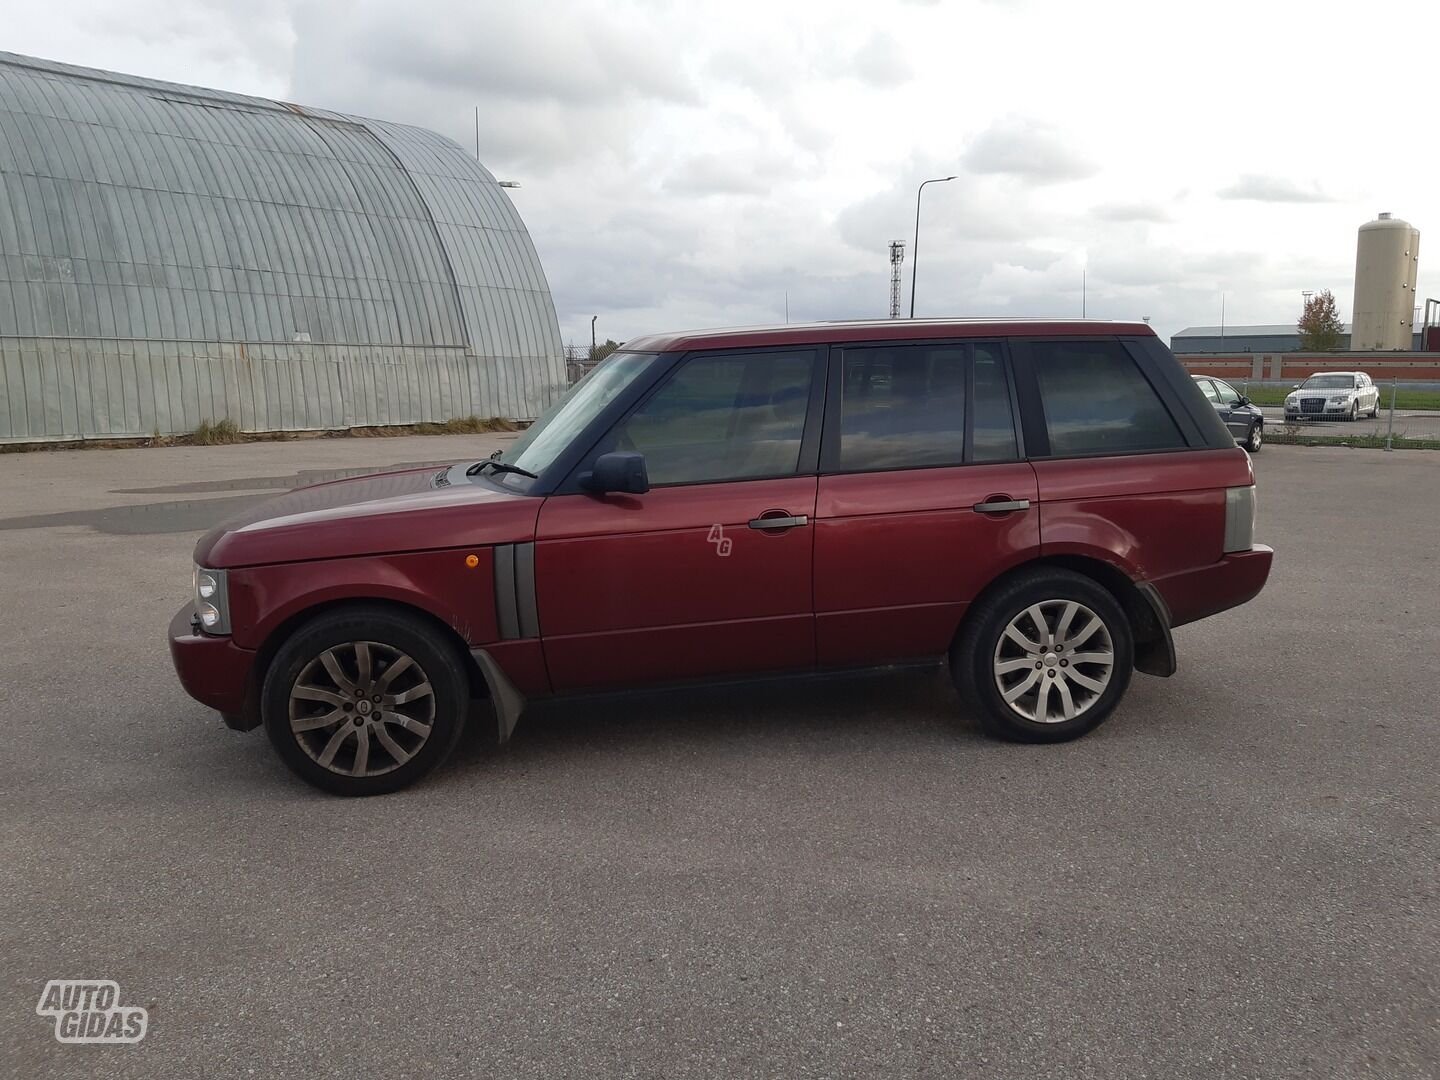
<point>897,260</point>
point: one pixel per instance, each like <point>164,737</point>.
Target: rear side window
<point>1097,401</point>
<point>993,423</point>
<point>903,407</point>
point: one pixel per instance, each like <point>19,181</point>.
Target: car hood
<point>409,510</point>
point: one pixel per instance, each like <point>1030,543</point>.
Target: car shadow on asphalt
<point>842,708</point>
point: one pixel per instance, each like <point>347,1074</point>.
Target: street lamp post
<point>592,335</point>
<point>915,247</point>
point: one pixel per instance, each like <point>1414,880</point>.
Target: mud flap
<point>508,702</point>
<point>1154,648</point>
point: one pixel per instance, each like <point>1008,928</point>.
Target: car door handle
<point>765,523</point>
<point>1001,506</point>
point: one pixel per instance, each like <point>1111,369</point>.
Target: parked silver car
<point>1334,395</point>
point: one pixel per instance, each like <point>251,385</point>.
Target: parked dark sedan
<point>1244,419</point>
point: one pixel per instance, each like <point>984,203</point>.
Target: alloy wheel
<point>1054,661</point>
<point>362,708</point>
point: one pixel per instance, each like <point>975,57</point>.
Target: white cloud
<point>692,163</point>
<point>1028,149</point>
<point>1273,189</point>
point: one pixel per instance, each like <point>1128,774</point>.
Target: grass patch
<point>460,425</point>
<point>225,432</point>
<point>1363,442</point>
<point>1405,399</point>
<point>215,433</point>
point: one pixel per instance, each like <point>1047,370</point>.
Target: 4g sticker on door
<point>723,543</point>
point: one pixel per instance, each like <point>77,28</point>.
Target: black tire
<point>1255,439</point>
<point>434,661</point>
<point>1354,412</point>
<point>973,655</point>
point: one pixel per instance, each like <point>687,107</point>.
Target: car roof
<point>880,330</point>
<point>1314,373</point>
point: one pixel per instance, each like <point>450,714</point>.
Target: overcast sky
<point>690,163</point>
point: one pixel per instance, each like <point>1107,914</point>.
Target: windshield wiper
<point>499,467</point>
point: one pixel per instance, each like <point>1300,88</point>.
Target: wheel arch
<point>1143,606</point>
<point>286,628</point>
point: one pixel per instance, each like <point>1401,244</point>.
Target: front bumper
<point>214,670</point>
<point>1234,580</point>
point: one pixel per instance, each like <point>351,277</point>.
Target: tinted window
<point>1097,401</point>
<point>719,418</point>
<point>993,422</point>
<point>903,407</point>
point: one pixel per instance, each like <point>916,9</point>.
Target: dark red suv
<point>1040,502</point>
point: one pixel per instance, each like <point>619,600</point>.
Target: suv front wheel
<point>1045,658</point>
<point>364,701</point>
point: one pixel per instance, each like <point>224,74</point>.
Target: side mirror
<point>621,470</point>
<point>1242,400</point>
<point>1295,386</point>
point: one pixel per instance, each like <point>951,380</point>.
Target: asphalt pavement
<point>1235,876</point>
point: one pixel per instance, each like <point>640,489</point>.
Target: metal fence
<point>1403,418</point>
<point>575,370</point>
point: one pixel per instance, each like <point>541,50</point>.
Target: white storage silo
<point>1387,261</point>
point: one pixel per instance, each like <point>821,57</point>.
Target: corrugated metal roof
<point>134,209</point>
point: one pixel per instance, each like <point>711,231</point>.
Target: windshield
<point>543,441</point>
<point>1330,382</point>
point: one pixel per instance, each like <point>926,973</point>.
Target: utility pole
<point>897,260</point>
<point>592,335</point>
<point>477,132</point>
<point>915,248</point>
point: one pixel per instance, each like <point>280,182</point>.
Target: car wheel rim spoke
<point>362,709</point>
<point>1061,675</point>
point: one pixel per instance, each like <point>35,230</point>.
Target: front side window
<point>1209,389</point>
<point>1227,393</point>
<point>723,417</point>
<point>1097,401</point>
<point>544,440</point>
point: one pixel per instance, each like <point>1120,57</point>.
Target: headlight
<point>211,594</point>
<point>1339,399</point>
<point>1291,399</point>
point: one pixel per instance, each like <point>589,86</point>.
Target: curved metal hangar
<point>170,255</point>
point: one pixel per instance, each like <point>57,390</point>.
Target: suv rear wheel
<point>364,701</point>
<point>1045,658</point>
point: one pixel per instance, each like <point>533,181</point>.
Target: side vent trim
<point>506,614</point>
<point>525,591</point>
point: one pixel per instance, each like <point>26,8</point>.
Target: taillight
<point>1239,518</point>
